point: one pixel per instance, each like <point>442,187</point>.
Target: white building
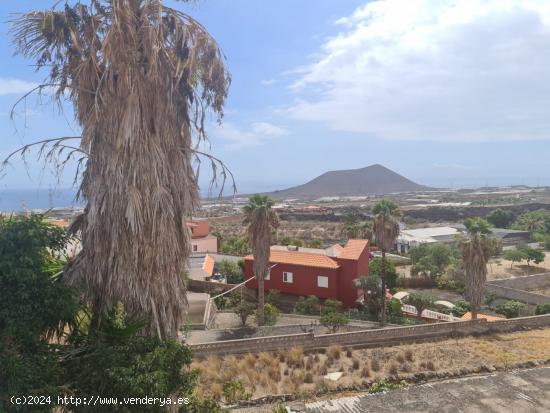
<point>410,238</point>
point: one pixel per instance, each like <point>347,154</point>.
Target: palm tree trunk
<point>261,301</point>
<point>383,315</point>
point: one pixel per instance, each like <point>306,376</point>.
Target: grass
<point>294,371</point>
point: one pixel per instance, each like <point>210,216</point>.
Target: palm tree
<point>141,78</point>
<point>477,248</point>
<point>261,220</point>
<point>386,231</point>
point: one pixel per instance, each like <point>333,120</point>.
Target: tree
<point>354,227</point>
<point>334,320</point>
<point>420,301</point>
<point>431,260</point>
<point>375,268</point>
<point>514,255</point>
<point>531,254</point>
<point>141,77</point>
<point>386,231</point>
<point>260,219</point>
<point>500,218</point>
<point>244,310</point>
<point>274,297</point>
<point>373,293</point>
<point>477,248</point>
<point>510,309</point>
<point>461,307</point>
<point>535,222</point>
<point>232,271</point>
<point>35,308</point>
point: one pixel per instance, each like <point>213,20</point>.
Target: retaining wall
<point>370,338</point>
<point>518,295</point>
<point>528,282</point>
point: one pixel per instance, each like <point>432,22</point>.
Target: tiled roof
<point>208,265</point>
<point>353,249</point>
<point>300,258</point>
<point>468,316</point>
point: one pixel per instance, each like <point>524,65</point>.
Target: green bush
<point>331,306</point>
<point>510,309</point>
<point>394,307</point>
<point>35,306</point>
<point>307,306</point>
<point>333,320</point>
<point>542,309</point>
<point>244,310</point>
<point>273,297</point>
<point>234,391</point>
<point>271,314</point>
<point>383,386</point>
<point>461,307</point>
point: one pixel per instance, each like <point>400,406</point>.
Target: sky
<point>447,93</point>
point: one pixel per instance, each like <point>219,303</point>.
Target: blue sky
<point>446,93</point>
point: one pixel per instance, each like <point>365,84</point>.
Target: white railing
<point>434,315</point>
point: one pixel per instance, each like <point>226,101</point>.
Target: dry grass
<point>265,373</point>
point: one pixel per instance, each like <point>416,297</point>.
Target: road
<point>514,392</point>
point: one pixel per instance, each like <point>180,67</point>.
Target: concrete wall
<point>529,282</point>
<point>517,288</point>
<point>208,243</point>
<point>518,295</point>
<point>370,338</point>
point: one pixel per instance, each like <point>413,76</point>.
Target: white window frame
<point>286,279</point>
<point>319,277</point>
<point>268,275</point>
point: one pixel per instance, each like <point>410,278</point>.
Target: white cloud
<point>468,70</point>
<point>256,133</point>
<point>11,86</point>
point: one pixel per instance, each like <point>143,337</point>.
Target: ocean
<point>31,199</point>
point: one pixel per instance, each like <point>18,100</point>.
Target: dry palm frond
<point>141,77</point>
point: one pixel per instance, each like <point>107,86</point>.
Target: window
<point>287,277</point>
<point>267,275</point>
<point>195,248</point>
<point>322,281</point>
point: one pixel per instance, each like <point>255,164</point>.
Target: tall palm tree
<point>477,248</point>
<point>386,231</point>
<point>261,220</point>
<point>140,77</point>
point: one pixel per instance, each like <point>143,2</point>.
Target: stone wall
<point>518,295</point>
<point>370,338</point>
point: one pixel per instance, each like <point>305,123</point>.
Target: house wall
<point>205,244</point>
<point>350,270</point>
<point>200,228</point>
<point>304,280</point>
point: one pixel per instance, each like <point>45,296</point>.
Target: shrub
<point>420,301</point>
<point>394,307</point>
<point>331,306</point>
<point>308,378</point>
<point>295,357</point>
<point>280,408</point>
<point>400,358</point>
<point>394,369</point>
<point>307,306</point>
<point>365,371</point>
<point>355,364</point>
<point>510,309</point>
<point>334,351</point>
<point>271,314</point>
<point>382,386</point>
<point>430,365</point>
<point>461,307</point>
<point>334,320</point>
<point>234,391</point>
<point>375,364</point>
<point>273,297</point>
<point>409,355</point>
<point>542,309</point>
<point>244,310</point>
